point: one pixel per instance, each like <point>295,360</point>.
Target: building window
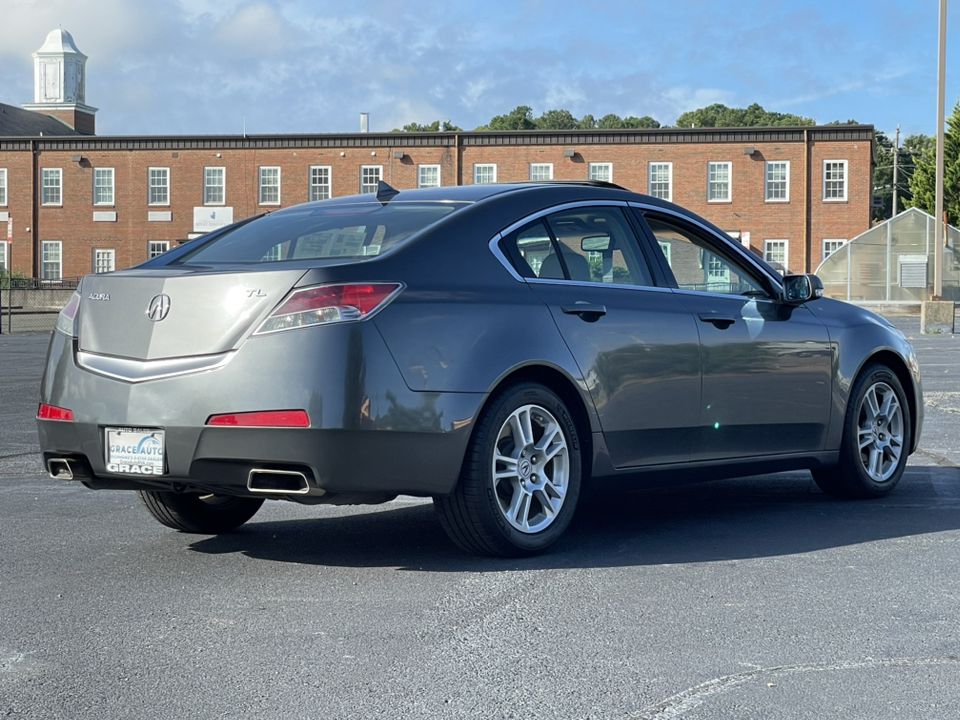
<point>601,171</point>
<point>541,171</point>
<point>777,186</point>
<point>3,186</point>
<point>718,182</point>
<point>660,180</point>
<point>270,186</point>
<point>104,261</point>
<point>370,177</point>
<point>831,246</point>
<point>214,185</point>
<point>103,186</point>
<point>3,257</point>
<point>157,247</point>
<point>159,186</point>
<point>775,253</point>
<point>51,266</point>
<point>319,182</point>
<point>484,174</point>
<point>428,176</point>
<point>835,180</point>
<point>51,191</point>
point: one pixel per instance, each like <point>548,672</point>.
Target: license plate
<point>134,451</point>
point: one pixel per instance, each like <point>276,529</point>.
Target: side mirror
<point>798,289</point>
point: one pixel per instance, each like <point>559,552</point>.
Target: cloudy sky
<point>311,66</point>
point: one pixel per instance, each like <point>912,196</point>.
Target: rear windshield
<point>334,231</point>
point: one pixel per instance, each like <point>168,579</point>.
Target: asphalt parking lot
<point>750,598</point>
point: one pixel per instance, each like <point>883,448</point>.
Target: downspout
<point>35,206</point>
<point>808,201</point>
<point>456,173</point>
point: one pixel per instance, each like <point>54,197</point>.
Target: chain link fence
<point>31,304</point>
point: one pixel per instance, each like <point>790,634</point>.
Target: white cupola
<point>60,80</point>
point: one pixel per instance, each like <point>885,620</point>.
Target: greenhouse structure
<point>893,263</point>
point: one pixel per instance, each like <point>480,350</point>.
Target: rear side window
<point>588,245</point>
<point>335,231</point>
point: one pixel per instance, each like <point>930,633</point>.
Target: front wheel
<point>876,438</point>
<point>520,479</point>
<point>196,513</point>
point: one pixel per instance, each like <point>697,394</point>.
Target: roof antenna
<point>385,193</point>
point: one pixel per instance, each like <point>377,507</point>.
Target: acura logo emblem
<point>159,307</point>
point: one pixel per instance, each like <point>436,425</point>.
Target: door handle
<point>586,311</point>
<point>719,321</point>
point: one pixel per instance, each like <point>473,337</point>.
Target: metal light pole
<point>941,82</point>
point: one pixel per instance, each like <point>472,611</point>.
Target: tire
<point>195,513</point>
<point>516,498</point>
<point>876,438</point>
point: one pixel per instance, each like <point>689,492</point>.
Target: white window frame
<point>268,185</point>
<point>3,187</point>
<point>719,189</point>
<point>321,188</point>
<point>776,190</point>
<point>51,253</point>
<point>103,186</point>
<point>541,169</point>
<point>653,182</point>
<point>47,189</point>
<point>156,248</point>
<point>834,189</point>
<point>214,185</point>
<point>158,182</point>
<point>423,182</point>
<point>370,176</point>
<point>484,168</point>
<point>3,256</point>
<point>595,170</point>
<point>777,242</point>
<point>104,260</point>
<point>835,243</point>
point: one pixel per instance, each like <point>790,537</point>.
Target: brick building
<point>82,203</point>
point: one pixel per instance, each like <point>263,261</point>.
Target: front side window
<point>3,187</point>
<point>214,185</point>
<point>103,186</point>
<point>831,246</point>
<point>592,245</point>
<point>319,182</point>
<point>541,171</point>
<point>699,263</point>
<point>777,185</point>
<point>370,176</point>
<point>485,173</point>
<point>428,176</point>
<point>104,261</point>
<point>157,247</point>
<point>718,182</point>
<point>269,186</point>
<point>52,186</point>
<point>835,180</point>
<point>601,171</point>
<point>661,180</point>
<point>158,192</point>
<point>51,265</point>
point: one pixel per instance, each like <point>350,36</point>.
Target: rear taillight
<point>67,319</point>
<point>324,304</point>
<point>52,412</point>
<point>269,418</point>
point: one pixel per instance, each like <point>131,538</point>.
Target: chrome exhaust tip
<point>278,482</point>
<point>60,469</point>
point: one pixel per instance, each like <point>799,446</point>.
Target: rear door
<point>636,344</point>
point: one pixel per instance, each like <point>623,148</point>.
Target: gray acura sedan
<point>494,347</point>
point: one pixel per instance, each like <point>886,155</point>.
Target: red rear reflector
<point>270,418</point>
<point>52,412</point>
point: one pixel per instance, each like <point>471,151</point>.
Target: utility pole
<point>941,81</point>
<point>896,168</point>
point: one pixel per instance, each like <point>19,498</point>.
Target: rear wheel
<point>520,480</point>
<point>195,513</point>
<point>876,438</point>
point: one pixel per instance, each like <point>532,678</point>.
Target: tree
<point>520,118</point>
<point>923,182</point>
<point>557,120</point>
<point>883,181</point>
<point>718,115</point>
<point>435,126</point>
<point>588,122</point>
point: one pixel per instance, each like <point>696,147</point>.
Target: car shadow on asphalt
<point>756,517</point>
